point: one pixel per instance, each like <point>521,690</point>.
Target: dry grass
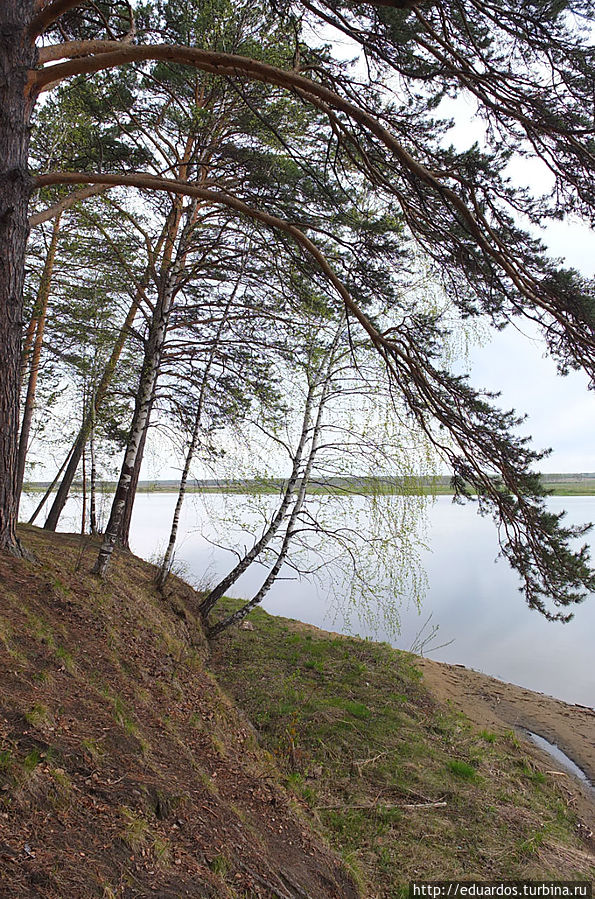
<point>403,787</point>
<point>124,770</point>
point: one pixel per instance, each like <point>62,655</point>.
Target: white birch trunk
<point>241,613</point>
<point>269,533</point>
<point>148,383</point>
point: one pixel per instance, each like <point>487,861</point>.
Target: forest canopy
<point>217,220</point>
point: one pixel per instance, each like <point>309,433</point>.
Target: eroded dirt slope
<point>124,771</point>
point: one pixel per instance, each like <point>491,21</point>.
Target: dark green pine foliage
<point>78,128</point>
<point>367,199</point>
<point>530,69</point>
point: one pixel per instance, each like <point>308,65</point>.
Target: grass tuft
<point>461,769</point>
<point>38,715</point>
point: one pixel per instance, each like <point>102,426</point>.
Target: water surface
<point>556,753</point>
<point>472,599</point>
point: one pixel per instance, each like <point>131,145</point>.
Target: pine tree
<point>529,69</point>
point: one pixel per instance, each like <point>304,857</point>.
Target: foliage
<point>317,184</point>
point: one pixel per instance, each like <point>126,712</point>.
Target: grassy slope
<point>124,770</point>
<point>403,787</point>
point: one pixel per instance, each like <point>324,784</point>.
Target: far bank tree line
<point>233,229</point>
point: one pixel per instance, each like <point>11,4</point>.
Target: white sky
<point>561,409</point>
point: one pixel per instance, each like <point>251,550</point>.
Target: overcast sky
<point>561,410</point>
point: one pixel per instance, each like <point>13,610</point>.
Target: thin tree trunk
<point>50,488</point>
<point>166,242</point>
<point>269,533</point>
<point>39,315</point>
<point>168,556</point>
<point>84,511</point>
<point>27,344</point>
<point>32,326</point>
<point>167,238</point>
<point>17,56</point>
<point>241,613</point>
<point>93,484</point>
<point>146,393</point>
<point>100,394</point>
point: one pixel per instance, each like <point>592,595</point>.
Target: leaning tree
<point>529,69</point>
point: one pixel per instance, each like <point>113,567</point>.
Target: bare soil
<point>124,770</point>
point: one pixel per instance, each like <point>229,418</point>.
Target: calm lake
<point>471,599</point>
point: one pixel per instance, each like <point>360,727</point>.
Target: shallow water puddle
<point>561,757</point>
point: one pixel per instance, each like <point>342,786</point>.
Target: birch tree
<point>531,74</point>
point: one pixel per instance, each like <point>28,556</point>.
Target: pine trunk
<point>39,316</point>
<point>27,345</point>
<point>17,55</point>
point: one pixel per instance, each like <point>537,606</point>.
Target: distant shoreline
<point>564,484</point>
